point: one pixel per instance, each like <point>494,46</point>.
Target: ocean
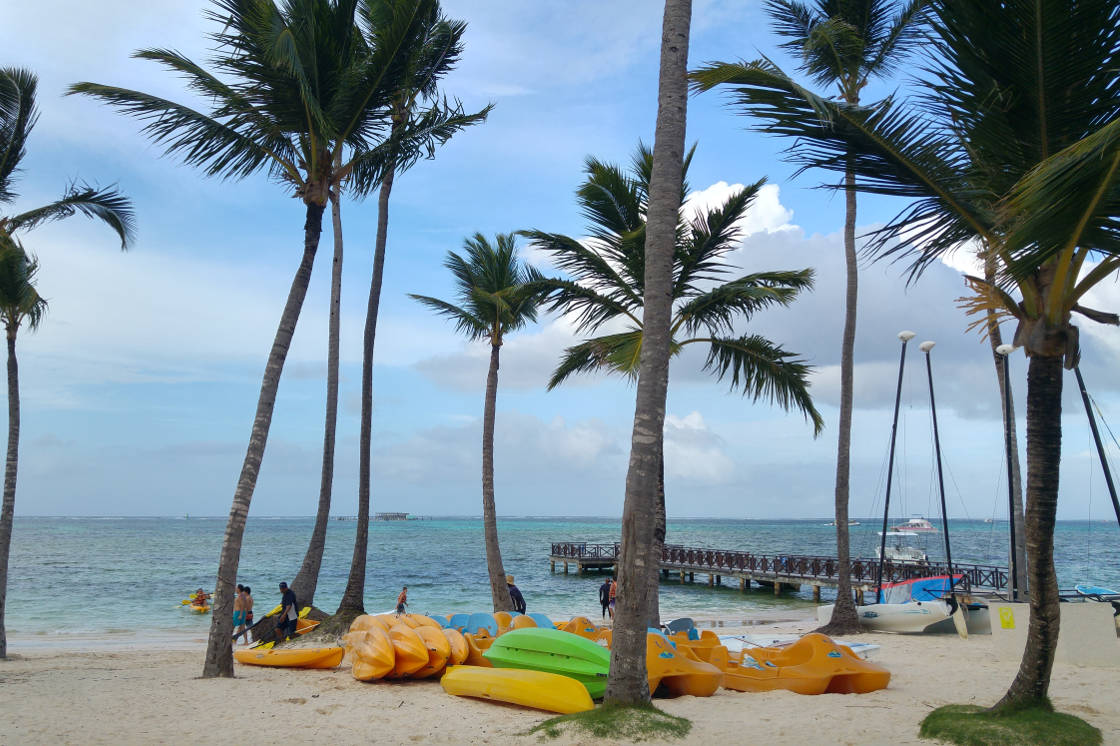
<point>106,579</point>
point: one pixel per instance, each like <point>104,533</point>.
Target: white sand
<point>147,696</point>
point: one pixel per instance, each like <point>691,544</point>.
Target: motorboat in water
<point>898,552</point>
<point>850,523</point>
<point>918,524</point>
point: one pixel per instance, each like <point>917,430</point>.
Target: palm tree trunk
<point>353,598</point>
<point>627,683</point>
<point>7,513</point>
<point>307,579</point>
<point>995,338</point>
<point>499,591</point>
<point>1044,451</point>
<point>844,619</point>
<point>653,613</point>
<point>219,649</point>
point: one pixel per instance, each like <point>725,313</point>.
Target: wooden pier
<point>780,571</point>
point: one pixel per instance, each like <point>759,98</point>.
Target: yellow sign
<point>1006,618</point>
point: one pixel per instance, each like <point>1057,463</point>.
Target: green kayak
<point>553,651</point>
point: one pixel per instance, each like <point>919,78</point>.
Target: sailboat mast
<point>905,336</point>
<point>1009,424</point>
<point>1097,440</point>
<point>926,347</point>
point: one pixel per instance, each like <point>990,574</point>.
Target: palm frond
<point>465,322</point>
<point>20,301</point>
<point>107,205</point>
<point>718,309</point>
<point>617,353</point>
<point>17,119</point>
<point>699,255</point>
<point>760,369</point>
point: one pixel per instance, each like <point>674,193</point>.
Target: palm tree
<point>845,45</point>
<point>19,302</point>
<point>306,101</point>
<point>494,298</point>
<point>606,279</point>
<point>1015,147</point>
<point>421,121</point>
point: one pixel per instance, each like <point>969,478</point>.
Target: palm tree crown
<point>606,285</point>
<point>491,289</point>
<point>18,115</point>
<point>20,302</point>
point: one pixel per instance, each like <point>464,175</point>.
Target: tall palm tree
<point>421,121</point>
<point>19,302</point>
<point>844,46</point>
<point>306,101</point>
<point>1016,147</point>
<point>606,276</point>
<point>495,297</point>
<point>627,684</point>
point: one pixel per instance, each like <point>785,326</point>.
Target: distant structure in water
<point>390,516</point>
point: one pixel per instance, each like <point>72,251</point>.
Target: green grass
<point>974,726</point>
<point>617,722</point>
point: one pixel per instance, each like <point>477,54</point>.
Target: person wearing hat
<point>515,596</point>
<point>288,613</point>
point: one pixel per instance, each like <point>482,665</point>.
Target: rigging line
<point>1089,529</point>
<point>1100,416</point>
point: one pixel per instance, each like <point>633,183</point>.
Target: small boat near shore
<point>917,524</point>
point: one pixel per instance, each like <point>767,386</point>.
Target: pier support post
<point>551,566</point>
<point>711,580</point>
<point>816,594</point>
<point>742,584</point>
<point>777,588</point>
<point>692,577</point>
<point>579,568</point>
<point>565,568</point>
<point>719,580</point>
<point>859,597</point>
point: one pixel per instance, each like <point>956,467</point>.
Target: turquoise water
<point>123,576</point>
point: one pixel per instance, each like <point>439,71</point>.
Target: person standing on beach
<point>239,611</point>
<point>515,595</point>
<point>288,613</point>
<point>605,596</point>
<point>402,600</point>
<point>612,596</point>
<point>247,606</point>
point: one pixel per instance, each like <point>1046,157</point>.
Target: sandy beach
<point>133,696</point>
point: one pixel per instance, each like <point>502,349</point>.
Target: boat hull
<point>537,689</point>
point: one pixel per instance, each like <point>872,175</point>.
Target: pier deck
<point>777,570</point>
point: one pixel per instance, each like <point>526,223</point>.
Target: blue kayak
<point>459,621</point>
<point>483,620</point>
<point>1095,591</point>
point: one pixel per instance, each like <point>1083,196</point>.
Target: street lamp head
<point>906,335</point>
<point>1005,349</point>
<point>926,346</point>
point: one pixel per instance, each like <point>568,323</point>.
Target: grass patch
<point>974,726</point>
<point>617,722</point>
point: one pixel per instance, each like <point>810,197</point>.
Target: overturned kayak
<point>553,651</point>
<point>536,689</point>
<point>812,665</point>
<point>292,657</point>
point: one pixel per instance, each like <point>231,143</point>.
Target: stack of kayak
<point>406,646</point>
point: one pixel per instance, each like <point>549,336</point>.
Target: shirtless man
<point>248,607</point>
<point>402,600</point>
<point>239,611</point>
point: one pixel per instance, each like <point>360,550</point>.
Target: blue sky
<point>140,387</point>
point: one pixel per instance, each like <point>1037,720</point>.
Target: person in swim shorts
<point>613,596</point>
<point>402,600</point>
<point>239,611</point>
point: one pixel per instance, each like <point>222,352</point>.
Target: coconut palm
<point>306,101</point>
<point>494,298</point>
<point>19,303</point>
<point>605,289</point>
<point>421,122</point>
<point>1014,148</point>
<point>844,46</point>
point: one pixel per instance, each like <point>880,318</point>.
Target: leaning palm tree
<point>844,46</point>
<point>494,297</point>
<point>421,121</point>
<point>18,300</point>
<point>20,303</point>
<point>605,287</point>
<point>305,101</point>
<point>1015,148</point>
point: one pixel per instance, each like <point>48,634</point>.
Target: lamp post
<point>1008,423</point>
<point>905,336</point>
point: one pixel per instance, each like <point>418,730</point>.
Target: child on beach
<point>402,600</point>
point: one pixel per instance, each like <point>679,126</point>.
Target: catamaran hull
<point>912,617</point>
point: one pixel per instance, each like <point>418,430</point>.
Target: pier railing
<point>810,568</point>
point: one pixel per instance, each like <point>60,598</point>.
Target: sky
<point>138,390</point>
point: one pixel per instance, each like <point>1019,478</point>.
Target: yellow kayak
<point>537,689</point>
<point>199,609</point>
<point>292,657</point>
